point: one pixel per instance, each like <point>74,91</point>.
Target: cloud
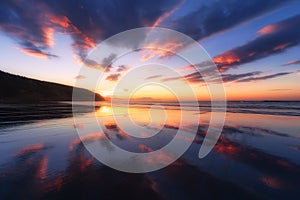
<point>268,29</point>
<point>198,78</point>
<point>28,27</point>
<point>170,79</point>
<point>105,65</point>
<point>188,67</point>
<point>87,22</point>
<point>122,68</point>
<point>107,62</point>
<point>167,14</point>
<point>264,77</point>
<point>92,64</point>
<point>243,77</point>
<point>37,53</point>
<point>219,16</point>
<point>161,48</point>
<point>32,25</point>
<point>275,90</point>
<point>153,77</point>
<point>113,77</point>
<point>268,42</point>
<point>248,77</point>
<point>234,77</point>
<point>293,62</point>
<point>80,77</point>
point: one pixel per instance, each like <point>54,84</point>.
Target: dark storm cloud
<point>32,23</point>
<point>272,39</point>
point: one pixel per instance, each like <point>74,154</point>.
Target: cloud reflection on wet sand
<point>31,170</point>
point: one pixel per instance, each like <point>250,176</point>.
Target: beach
<point>256,157</point>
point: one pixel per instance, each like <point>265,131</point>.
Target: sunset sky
<point>255,44</point>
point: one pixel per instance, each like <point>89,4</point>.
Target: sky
<point>254,44</point>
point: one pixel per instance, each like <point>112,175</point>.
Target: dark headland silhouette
<point>18,89</point>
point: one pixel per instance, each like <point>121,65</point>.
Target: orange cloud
<point>82,42</point>
<point>272,39</point>
<point>64,23</point>
<point>48,33</point>
<point>159,49</point>
<point>34,53</point>
<point>186,68</point>
<point>113,77</point>
<point>227,58</point>
<point>281,46</point>
<point>167,14</point>
<point>61,21</point>
<point>268,29</point>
